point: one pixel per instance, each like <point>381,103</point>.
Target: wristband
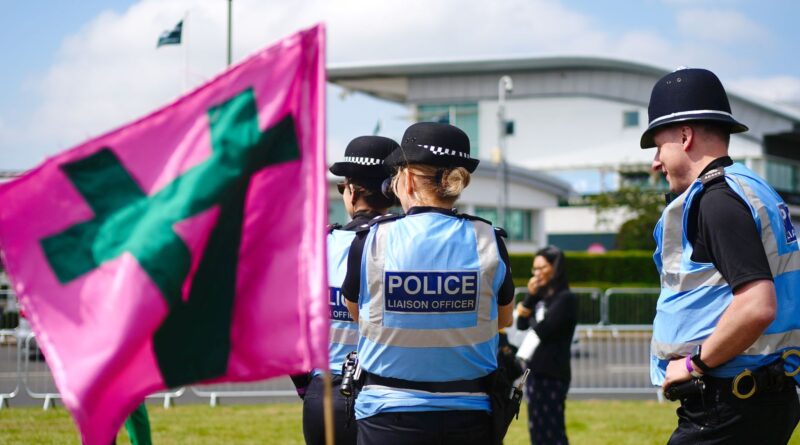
<point>694,372</point>
<point>700,364</point>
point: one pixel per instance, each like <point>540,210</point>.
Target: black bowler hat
<point>364,158</point>
<point>433,143</point>
<point>689,94</point>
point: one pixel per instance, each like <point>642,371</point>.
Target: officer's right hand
<point>676,373</point>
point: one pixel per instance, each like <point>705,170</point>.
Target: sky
<point>74,70</point>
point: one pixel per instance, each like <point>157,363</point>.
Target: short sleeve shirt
<point>722,231</point>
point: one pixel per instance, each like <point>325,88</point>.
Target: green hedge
<point>612,268</point>
<point>9,320</point>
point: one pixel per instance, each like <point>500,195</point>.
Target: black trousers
<point>426,428</point>
<point>546,398</point>
<point>719,418</point>
<point>314,415</point>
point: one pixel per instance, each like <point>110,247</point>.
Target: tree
<point>644,209</point>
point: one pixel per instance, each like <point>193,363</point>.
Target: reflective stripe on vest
<point>343,331</point>
<point>695,295</point>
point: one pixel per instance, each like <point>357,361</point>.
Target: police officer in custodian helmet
<point>363,172</point>
<point>429,290</point>
<point>725,335</point>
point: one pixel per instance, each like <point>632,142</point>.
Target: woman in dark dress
<point>551,311</point>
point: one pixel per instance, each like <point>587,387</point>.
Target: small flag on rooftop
<point>171,36</point>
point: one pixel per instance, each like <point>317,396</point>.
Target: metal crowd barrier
<point>612,360</point>
<point>169,396</point>
<point>626,306</point>
<point>266,388</point>
<point>611,348</point>
<point>38,380</point>
<point>630,306</point>
<point>9,366</point>
<point>610,354</point>
<point>36,376</point>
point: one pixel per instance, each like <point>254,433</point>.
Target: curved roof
<point>520,175</point>
<point>534,179</point>
<point>476,66</point>
<point>386,80</point>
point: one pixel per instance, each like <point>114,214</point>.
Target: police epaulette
<point>385,218</point>
<point>334,226</point>
<point>474,218</point>
<point>712,175</point>
<point>500,231</point>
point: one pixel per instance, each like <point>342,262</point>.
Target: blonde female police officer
<point>363,171</point>
<point>429,290</point>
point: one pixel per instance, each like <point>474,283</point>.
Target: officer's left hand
<point>676,373</point>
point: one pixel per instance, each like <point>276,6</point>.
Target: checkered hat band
<point>362,160</point>
<point>445,151</point>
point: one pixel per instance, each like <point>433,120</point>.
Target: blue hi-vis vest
<point>428,310</point>
<point>344,331</point>
<point>695,295</point>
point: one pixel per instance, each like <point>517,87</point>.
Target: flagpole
<point>230,2</point>
<point>185,52</point>
<point>327,407</point>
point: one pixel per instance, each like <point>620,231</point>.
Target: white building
<point>530,194</point>
<point>579,118</point>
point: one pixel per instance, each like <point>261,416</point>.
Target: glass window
<point>518,222</point>
<point>781,175</point>
<point>630,119</point>
<point>463,116</point>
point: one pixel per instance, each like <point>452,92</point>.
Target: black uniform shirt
<point>722,231</point>
<point>359,219</point>
<point>352,281</point>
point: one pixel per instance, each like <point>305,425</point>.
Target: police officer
<point>363,171</point>
<point>429,290</point>
<point>728,314</point>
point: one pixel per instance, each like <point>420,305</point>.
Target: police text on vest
<point>431,292</point>
<point>338,308</point>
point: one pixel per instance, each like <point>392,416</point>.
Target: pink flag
<point>185,247</point>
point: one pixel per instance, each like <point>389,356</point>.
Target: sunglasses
<point>534,269</point>
<point>341,186</point>
<point>387,189</point>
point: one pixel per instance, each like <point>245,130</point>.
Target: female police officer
<point>431,288</point>
<point>363,171</point>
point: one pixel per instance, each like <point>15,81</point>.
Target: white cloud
<point>110,72</point>
<point>723,26</point>
<point>780,89</point>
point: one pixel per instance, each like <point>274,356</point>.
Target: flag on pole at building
<point>171,36</point>
<point>185,247</point>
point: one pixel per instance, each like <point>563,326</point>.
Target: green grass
<point>588,422</point>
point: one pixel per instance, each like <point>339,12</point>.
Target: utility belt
<point>504,397</point>
<point>747,385</point>
<point>476,385</point>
